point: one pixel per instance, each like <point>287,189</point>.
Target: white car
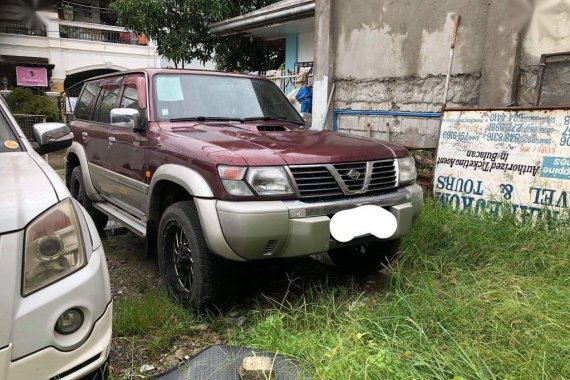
<point>55,297</point>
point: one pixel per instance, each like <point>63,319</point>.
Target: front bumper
<point>245,231</point>
<point>50,362</point>
<point>31,348</point>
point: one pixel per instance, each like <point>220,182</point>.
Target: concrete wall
<point>548,33</point>
<point>393,55</point>
<point>306,47</point>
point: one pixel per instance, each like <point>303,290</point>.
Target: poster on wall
<point>489,158</point>
<point>31,76</point>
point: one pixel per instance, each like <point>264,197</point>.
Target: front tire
<point>77,189</point>
<point>193,275</point>
<point>367,258</point>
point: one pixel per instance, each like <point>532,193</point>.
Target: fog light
<point>69,322</point>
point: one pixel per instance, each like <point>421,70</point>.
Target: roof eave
<point>257,20</point>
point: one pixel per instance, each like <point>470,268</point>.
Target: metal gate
<point>68,100</point>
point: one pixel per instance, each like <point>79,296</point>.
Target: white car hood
<point>25,191</point>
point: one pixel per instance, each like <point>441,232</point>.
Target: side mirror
<point>51,137</point>
<point>308,119</point>
<point>126,118</point>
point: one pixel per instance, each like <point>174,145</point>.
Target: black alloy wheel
<point>182,262</point>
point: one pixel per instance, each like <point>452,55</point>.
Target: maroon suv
<point>214,167</point>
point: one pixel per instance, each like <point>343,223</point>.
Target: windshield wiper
<point>206,118</point>
<point>270,118</point>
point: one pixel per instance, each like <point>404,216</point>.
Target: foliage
<point>24,101</point>
<point>471,298</point>
<point>245,54</point>
<point>152,320</point>
<point>180,29</point>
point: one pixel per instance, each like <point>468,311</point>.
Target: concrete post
<point>501,61</point>
<point>51,21</point>
<point>324,61</point>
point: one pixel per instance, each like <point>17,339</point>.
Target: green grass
<point>152,321</point>
<point>472,297</point>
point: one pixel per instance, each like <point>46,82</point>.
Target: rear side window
<point>87,98</point>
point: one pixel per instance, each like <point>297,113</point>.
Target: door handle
<point>112,139</point>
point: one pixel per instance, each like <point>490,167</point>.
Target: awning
<point>278,13</point>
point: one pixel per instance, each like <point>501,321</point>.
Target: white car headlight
<point>408,172</point>
<point>269,181</point>
<point>241,181</point>
<point>54,247</point>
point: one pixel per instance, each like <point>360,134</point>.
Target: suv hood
<point>289,146</point>
<point>25,191</point>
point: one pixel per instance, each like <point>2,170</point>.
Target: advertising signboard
<point>488,158</point>
<point>31,76</point>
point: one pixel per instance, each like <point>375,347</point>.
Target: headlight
<point>270,180</point>
<point>407,170</point>
<point>54,247</point>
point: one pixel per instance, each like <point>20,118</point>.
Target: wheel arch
<point>75,156</point>
<point>178,179</point>
<point>170,184</point>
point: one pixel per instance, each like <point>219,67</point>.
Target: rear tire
<point>366,258</point>
<point>77,189</point>
<point>194,276</point>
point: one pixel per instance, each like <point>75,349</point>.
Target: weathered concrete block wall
<point>548,33</point>
<point>411,93</point>
<point>393,55</point>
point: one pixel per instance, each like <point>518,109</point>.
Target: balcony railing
<point>71,11</point>
<point>90,34</point>
<point>18,28</point>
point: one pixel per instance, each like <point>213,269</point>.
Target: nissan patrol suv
<point>214,167</point>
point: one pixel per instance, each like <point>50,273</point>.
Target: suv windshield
<point>191,96</point>
<point>8,140</point>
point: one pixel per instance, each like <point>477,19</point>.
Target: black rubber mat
<point>223,362</point>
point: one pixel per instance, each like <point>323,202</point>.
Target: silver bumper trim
<point>300,209</point>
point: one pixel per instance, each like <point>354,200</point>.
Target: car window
<point>192,96</point>
<point>106,102</point>
<point>130,98</point>
<point>87,97</point>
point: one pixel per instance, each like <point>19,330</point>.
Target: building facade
<point>74,41</point>
<point>289,24</point>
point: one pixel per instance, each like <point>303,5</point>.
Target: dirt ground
<point>133,274</point>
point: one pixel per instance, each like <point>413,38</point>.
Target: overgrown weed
<point>473,297</point>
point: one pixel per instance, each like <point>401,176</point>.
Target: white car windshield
<point>8,140</point>
<point>182,97</point>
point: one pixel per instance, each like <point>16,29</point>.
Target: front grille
<point>383,176</point>
<point>332,181</point>
<point>315,182</point>
<point>355,183</point>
